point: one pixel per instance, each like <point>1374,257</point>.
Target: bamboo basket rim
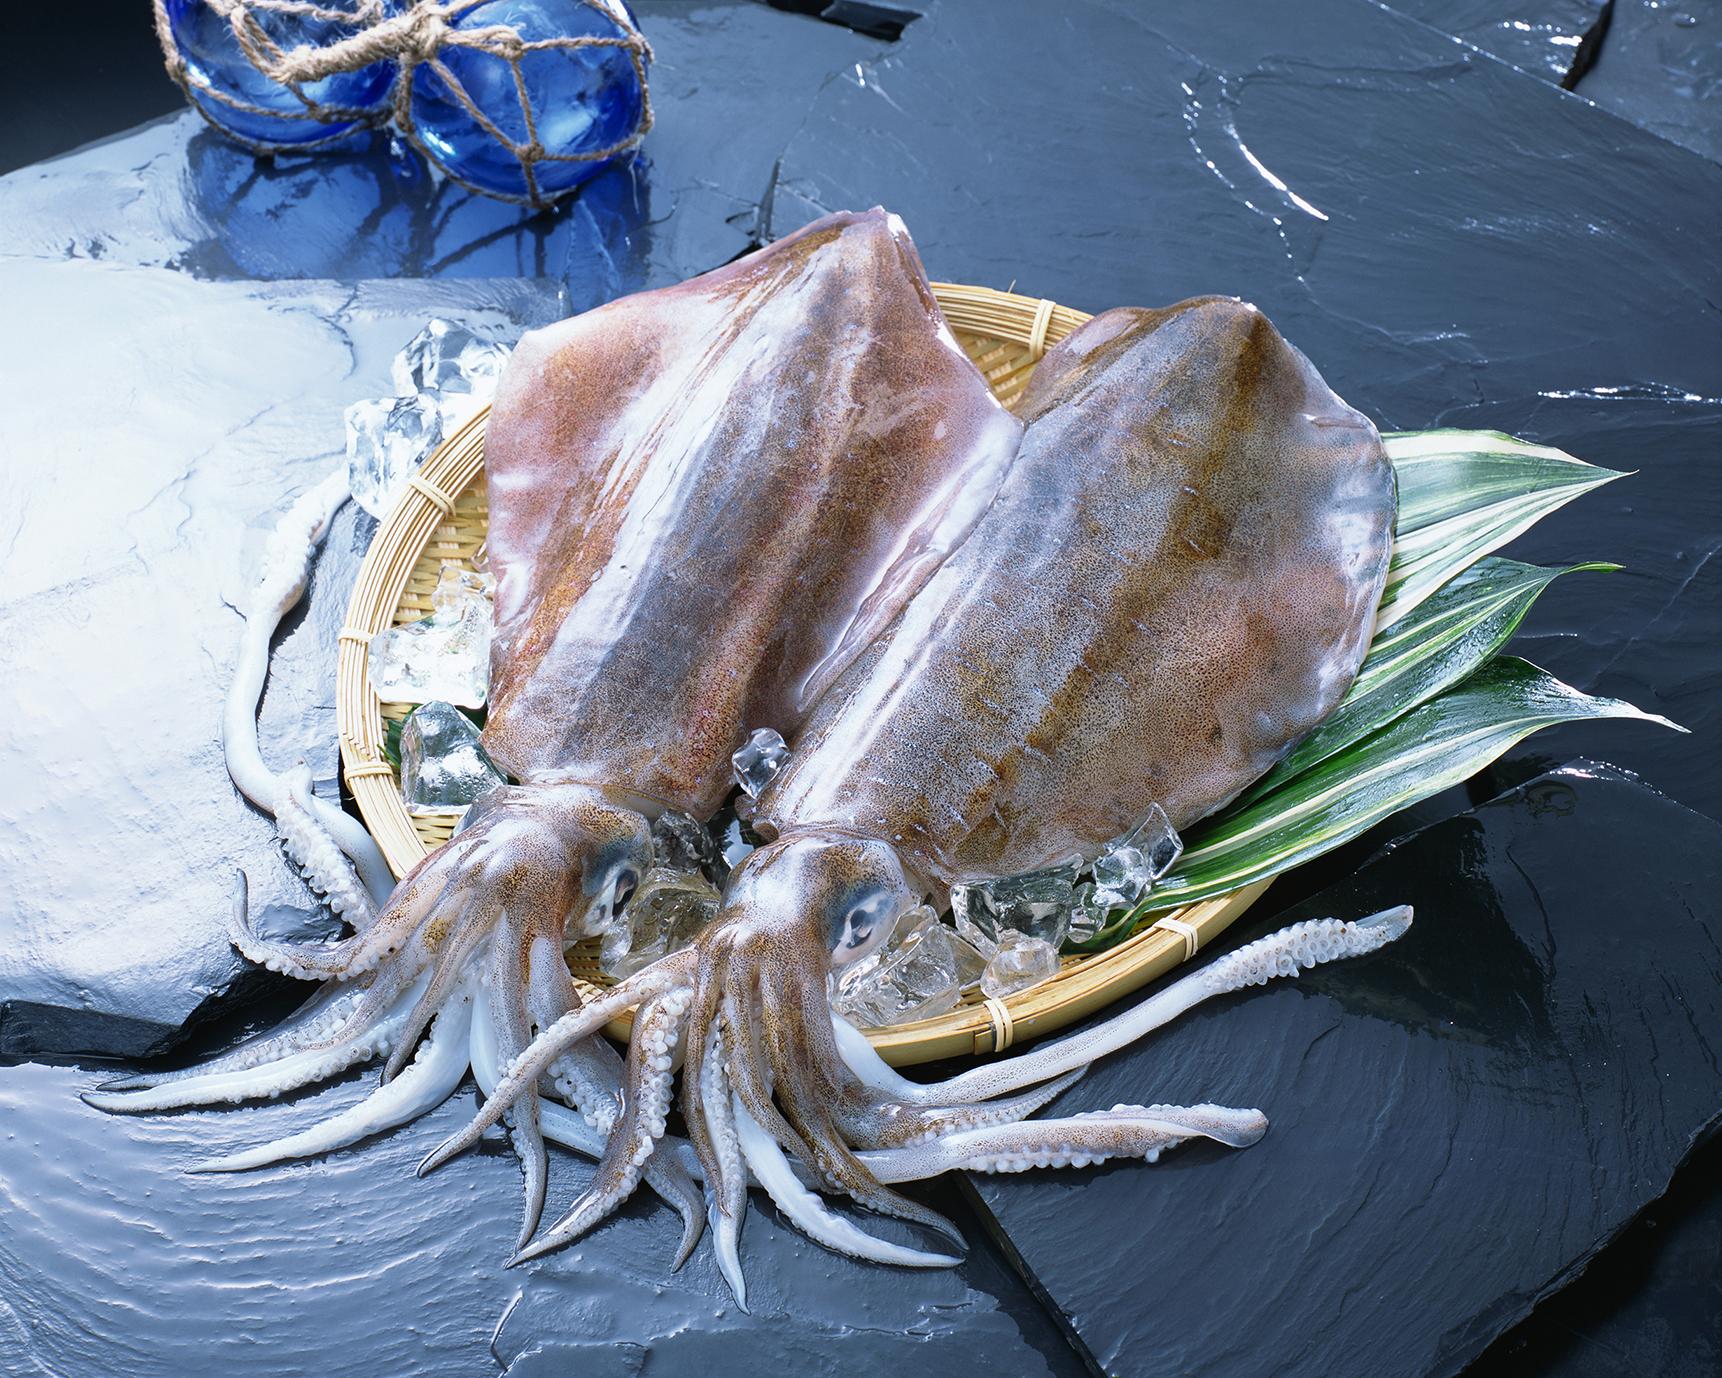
<point>441,516</point>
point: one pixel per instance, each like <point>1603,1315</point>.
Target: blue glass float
<point>583,100</point>
<point>215,61</point>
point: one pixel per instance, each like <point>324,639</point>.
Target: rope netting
<point>417,36</point>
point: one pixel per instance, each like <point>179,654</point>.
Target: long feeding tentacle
<point>1125,1131</point>
<point>430,1079</point>
<point>286,571</point>
<point>1283,953</point>
<point>259,1081</point>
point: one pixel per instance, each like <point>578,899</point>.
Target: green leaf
<point>1429,651</point>
<point>1463,494</point>
<point>1438,744</point>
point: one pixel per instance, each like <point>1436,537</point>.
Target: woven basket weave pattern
<point>444,516</point>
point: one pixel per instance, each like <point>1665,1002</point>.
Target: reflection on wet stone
<point>1462,1119</point>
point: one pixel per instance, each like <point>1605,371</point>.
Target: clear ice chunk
<point>444,656</point>
<point>1036,903</point>
<point>387,439</point>
<point>1017,963</point>
<point>664,915</point>
<point>680,842</point>
<point>758,762</point>
<point>1124,872</point>
<point>918,973</point>
<point>448,358</point>
<point>443,765</point>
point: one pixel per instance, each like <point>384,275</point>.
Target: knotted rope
<point>416,36</point>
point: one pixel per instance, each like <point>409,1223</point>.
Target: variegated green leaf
<point>1463,494</point>
<point>1432,649</point>
<point>1441,743</point>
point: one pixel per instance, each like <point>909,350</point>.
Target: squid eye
<point>627,881</point>
<point>866,922</point>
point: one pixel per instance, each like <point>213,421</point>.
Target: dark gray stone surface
<point>154,428</point>
<point>1458,1123</point>
<point>116,1262</point>
<point>1661,67</point>
<point>1553,39</point>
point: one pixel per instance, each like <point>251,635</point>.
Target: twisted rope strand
<point>418,35</point>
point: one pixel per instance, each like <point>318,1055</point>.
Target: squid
<point>705,501</point>
<point>1175,581</point>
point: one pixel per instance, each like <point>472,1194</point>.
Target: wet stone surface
<point>119,1262</point>
<point>1553,39</point>
<point>134,537</point>
<point>1457,1123</point>
<point>1661,67</point>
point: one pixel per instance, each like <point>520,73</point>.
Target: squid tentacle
<point>433,1076</point>
<point>785,1007</point>
<point>634,1137</point>
<point>318,828</point>
<point>727,1186</point>
<point>1125,1131</point>
<point>502,997</point>
<point>808,1213</point>
<point>887,1124</point>
<point>261,1081</point>
<point>523,1074</point>
<point>1283,953</point>
<point>418,897</point>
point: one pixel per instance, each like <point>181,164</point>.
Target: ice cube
<point>918,973</point>
<point>1159,842</point>
<point>448,358</point>
<point>458,588</point>
<point>1088,915</point>
<point>757,763</point>
<point>665,914</point>
<point>681,843</point>
<point>1017,963</point>
<point>444,656</point>
<point>387,439</point>
<point>1035,903</point>
<point>443,765</point>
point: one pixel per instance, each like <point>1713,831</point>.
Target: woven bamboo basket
<point>443,516</point>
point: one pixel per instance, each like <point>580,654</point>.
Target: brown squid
<point>1175,582</point>
<point>705,501</point>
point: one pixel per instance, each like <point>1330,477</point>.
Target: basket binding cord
<point>418,35</point>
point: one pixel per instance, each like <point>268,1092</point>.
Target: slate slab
<point>1647,1308</point>
<point>1553,39</point>
<point>116,1261</point>
<point>1450,242</point>
<point>1661,67</point>
<point>1458,1123</point>
<point>154,427</point>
